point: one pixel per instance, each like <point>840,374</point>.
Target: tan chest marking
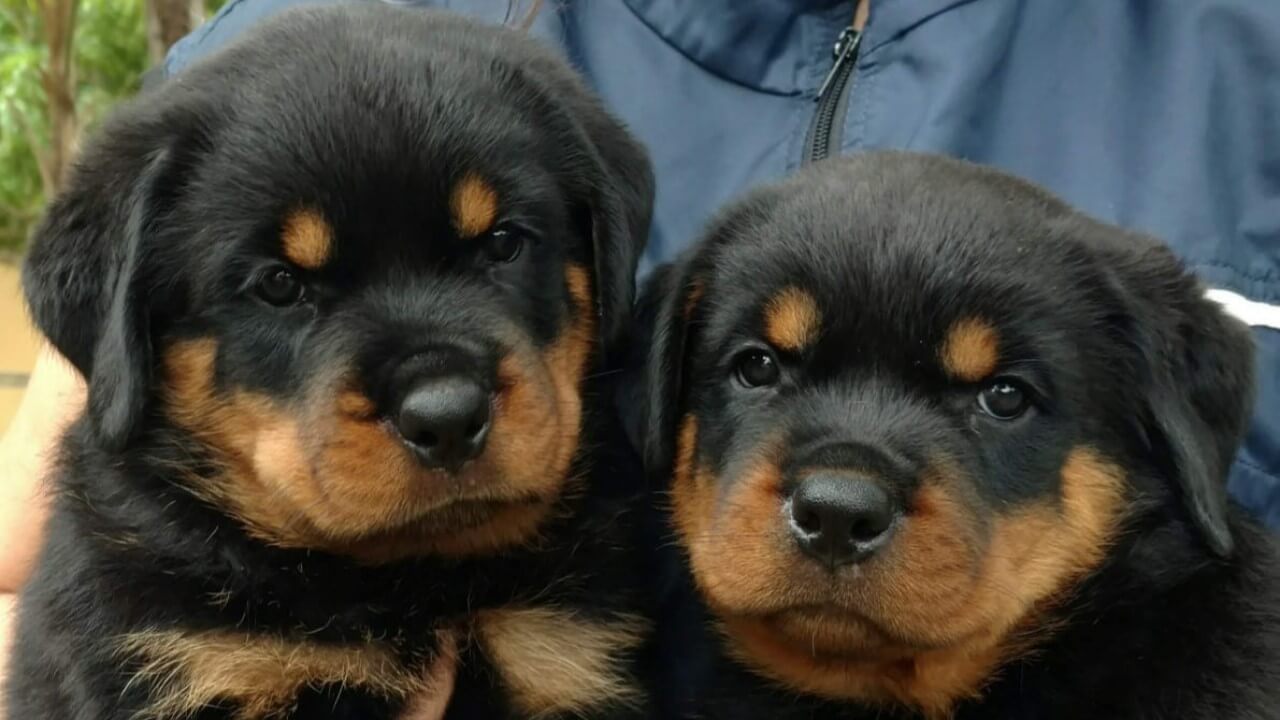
<point>556,662</point>
<point>261,675</point>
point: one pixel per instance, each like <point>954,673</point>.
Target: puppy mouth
<point>463,514</point>
<point>834,632</point>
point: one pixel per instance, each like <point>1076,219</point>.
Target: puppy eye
<point>1003,400</point>
<point>281,287</point>
<point>757,368</point>
<point>502,247</point>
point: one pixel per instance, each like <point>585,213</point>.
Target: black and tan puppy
<point>343,294</point>
<point>941,447</point>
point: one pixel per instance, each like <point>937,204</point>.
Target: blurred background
<point>63,63</point>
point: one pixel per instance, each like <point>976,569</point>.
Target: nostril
<point>867,528</point>
<point>808,521</point>
<point>427,439</point>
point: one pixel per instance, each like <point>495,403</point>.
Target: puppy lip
<point>884,639</point>
<point>775,624</point>
<point>453,486</point>
<point>481,509</point>
<point>442,520</point>
<point>829,611</point>
<point>464,491</point>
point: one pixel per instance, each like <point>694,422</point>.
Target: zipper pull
<point>845,48</point>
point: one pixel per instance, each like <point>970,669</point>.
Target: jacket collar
<point>778,46</point>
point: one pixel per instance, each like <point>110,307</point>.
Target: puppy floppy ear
<point>1200,387</point>
<point>671,311</point>
<point>666,309</point>
<point>1201,401</point>
<point>621,210</point>
<point>613,182</point>
<point>84,276</point>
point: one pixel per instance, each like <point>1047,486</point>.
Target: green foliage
<point>110,57</point>
<point>22,120</point>
<point>111,54</point>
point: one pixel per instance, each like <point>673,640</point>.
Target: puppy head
<point>906,404</point>
<point>364,257</point>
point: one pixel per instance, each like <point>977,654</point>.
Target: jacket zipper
<point>832,96</point>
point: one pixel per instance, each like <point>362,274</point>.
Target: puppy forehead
<point>451,156</point>
<point>963,311</point>
<point>427,218</point>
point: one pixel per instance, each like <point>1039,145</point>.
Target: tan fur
<point>324,473</point>
<point>556,662</point>
<point>971,350</point>
<point>926,623</point>
<point>792,320</point>
<point>260,674</point>
<point>355,405</point>
<point>731,538</point>
<point>538,422</point>
<point>692,499</point>
<point>307,239</point>
<point>329,476</point>
<point>474,205</point>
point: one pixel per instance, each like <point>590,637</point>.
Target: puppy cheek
<point>951,575</point>
<point>294,478</point>
<point>738,551</point>
<point>362,478</point>
<point>923,585</point>
<point>538,416</point>
<point>1045,550</point>
<point>228,425</point>
<point>532,438</point>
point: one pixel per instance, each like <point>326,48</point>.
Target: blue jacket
<point>1161,115</point>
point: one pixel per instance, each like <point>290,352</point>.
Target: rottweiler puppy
<point>344,294</point>
<point>939,446</point>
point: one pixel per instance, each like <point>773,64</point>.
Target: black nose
<point>445,420</point>
<point>840,519</point>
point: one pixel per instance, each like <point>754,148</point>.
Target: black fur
<point>368,114</point>
<point>1181,619</point>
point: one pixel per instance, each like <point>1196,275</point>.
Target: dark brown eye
<point>502,247</point>
<point>281,287</point>
<point>1003,400</point>
<point>757,368</point>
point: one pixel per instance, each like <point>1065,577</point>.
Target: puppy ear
<point>671,312</point>
<point>620,217</point>
<point>1200,390</point>
<point>1201,402</point>
<point>84,275</point>
<point>666,309</point>
<point>614,183</point>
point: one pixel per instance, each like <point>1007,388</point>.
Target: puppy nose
<point>445,420</point>
<point>841,520</point>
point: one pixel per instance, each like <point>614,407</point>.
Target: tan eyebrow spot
<point>792,320</point>
<point>307,239</point>
<point>474,206</point>
<point>971,350</point>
